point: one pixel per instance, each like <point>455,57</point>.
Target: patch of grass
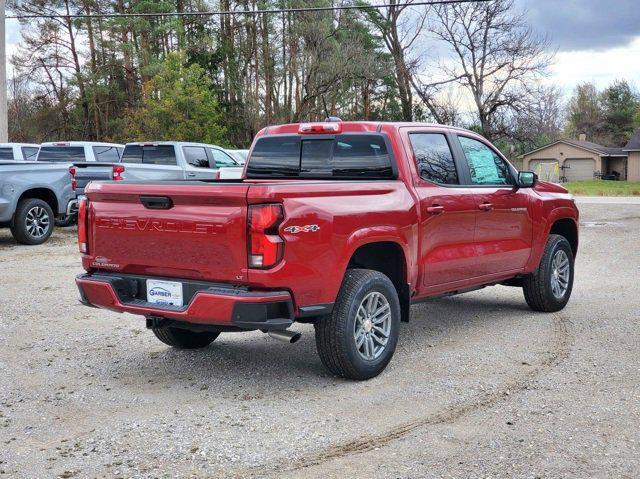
<point>603,188</point>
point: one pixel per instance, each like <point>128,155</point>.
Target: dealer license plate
<point>164,292</point>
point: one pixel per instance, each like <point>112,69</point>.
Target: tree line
<point>222,78</point>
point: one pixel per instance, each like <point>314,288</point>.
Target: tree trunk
<point>94,73</point>
<point>86,130</point>
<point>129,79</point>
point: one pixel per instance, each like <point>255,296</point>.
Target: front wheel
<point>183,338</point>
<point>358,339</point>
<point>548,289</point>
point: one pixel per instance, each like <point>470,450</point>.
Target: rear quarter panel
<point>22,177</point>
<point>349,214</point>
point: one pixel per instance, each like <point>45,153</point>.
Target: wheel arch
<point>389,258</point>
<point>567,228</point>
<point>44,194</point>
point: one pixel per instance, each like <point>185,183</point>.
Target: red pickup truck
<point>339,224</point>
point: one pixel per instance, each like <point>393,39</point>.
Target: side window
<point>196,156</point>
<point>486,167</point>
<point>106,154</point>
<point>30,152</point>
<point>433,158</point>
<point>6,153</point>
<point>222,159</point>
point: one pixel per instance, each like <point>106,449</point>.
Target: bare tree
<point>496,56</point>
<point>400,31</point>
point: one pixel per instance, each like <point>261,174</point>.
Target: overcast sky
<point>596,40</point>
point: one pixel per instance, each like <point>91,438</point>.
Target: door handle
<point>486,206</point>
<point>156,202</point>
<point>191,173</point>
<point>435,209</point>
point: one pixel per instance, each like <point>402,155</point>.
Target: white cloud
<point>600,67</point>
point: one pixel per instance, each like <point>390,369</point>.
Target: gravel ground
<point>479,387</point>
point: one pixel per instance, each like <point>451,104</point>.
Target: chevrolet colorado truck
<point>339,224</point>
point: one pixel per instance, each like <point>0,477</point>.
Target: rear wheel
<point>183,338</point>
<point>32,222</point>
<point>358,339</point>
<point>548,289</point>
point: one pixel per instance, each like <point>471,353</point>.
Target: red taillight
<point>82,225</point>
<point>117,172</point>
<point>266,248</point>
<point>320,128</point>
<point>74,183</point>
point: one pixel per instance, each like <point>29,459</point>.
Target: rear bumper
<point>207,304</point>
<point>72,207</point>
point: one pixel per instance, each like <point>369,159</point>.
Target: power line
<point>247,12</point>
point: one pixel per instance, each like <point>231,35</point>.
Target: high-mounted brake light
<point>82,225</point>
<point>74,183</point>
<point>320,128</point>
<point>117,172</point>
<point>265,247</point>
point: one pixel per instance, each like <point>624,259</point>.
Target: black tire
<point>183,338</point>
<point>19,228</point>
<point>66,221</point>
<point>537,286</point>
<point>335,339</point>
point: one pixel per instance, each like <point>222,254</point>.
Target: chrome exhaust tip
<point>285,335</point>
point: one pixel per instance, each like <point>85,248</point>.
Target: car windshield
<point>239,155</point>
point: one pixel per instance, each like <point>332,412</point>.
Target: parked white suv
<point>79,151</point>
<point>19,151</point>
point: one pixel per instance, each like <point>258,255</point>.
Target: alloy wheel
<point>37,222</point>
<point>372,326</point>
<point>560,271</point>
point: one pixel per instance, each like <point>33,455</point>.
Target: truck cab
<point>171,160</point>
<point>80,151</point>
<point>18,151</point>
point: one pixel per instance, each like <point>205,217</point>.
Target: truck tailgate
<point>179,230</point>
<point>91,171</point>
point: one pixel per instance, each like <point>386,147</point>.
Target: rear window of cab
<point>61,153</point>
<point>346,156</point>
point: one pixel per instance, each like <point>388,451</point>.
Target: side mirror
<point>527,179</point>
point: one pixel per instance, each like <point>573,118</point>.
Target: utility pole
<point>4,125</point>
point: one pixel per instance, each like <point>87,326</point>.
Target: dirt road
<point>479,387</point>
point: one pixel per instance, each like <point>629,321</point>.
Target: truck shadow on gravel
<point>254,358</point>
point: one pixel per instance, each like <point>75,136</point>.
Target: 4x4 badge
<point>302,229</point>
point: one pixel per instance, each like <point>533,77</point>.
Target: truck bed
<point>203,235</point>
